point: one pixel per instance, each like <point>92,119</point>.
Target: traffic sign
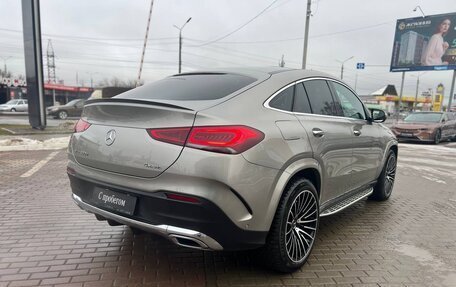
<point>360,66</point>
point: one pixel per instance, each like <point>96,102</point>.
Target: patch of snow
<point>434,149</point>
<point>434,179</point>
<point>427,161</point>
<point>19,144</point>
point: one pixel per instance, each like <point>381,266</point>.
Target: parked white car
<point>14,106</point>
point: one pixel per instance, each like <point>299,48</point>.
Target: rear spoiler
<point>134,101</point>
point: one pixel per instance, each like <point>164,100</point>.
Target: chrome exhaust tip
<point>188,242</point>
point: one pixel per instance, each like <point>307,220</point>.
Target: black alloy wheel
<point>437,137</point>
<point>385,182</point>
<point>294,228</point>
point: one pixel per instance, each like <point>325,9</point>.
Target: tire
<point>63,115</point>
<point>13,110</point>
<point>136,231</point>
<point>437,137</point>
<point>289,243</point>
<point>385,182</point>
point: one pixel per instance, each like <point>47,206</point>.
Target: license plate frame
<point>407,135</point>
<point>106,198</point>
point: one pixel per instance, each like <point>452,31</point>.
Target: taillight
<point>81,126</point>
<point>175,136</point>
<point>222,139</point>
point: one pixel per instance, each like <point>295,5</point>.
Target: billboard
<point>425,43</point>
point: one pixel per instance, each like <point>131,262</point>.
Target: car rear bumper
<point>180,236</point>
<point>414,139</point>
<point>201,225</point>
<point>422,136</point>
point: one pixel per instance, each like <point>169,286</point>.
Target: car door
<point>329,135</point>
<point>21,106</point>
<point>366,144</point>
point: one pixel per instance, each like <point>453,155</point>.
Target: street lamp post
<point>180,42</point>
<point>342,67</point>
<point>91,77</point>
<point>306,34</point>
<point>5,70</point>
<point>417,88</point>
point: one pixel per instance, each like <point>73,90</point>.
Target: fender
<point>392,142</point>
<point>283,178</point>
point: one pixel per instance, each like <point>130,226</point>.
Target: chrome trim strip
<point>170,232</point>
<point>357,197</point>
<point>266,103</point>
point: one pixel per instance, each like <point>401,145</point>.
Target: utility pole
<point>417,88</point>
<point>91,77</point>
<point>356,81</point>
<point>306,34</point>
<point>342,67</point>
<point>416,92</point>
<point>180,42</point>
<point>5,70</point>
<point>50,59</point>
<point>282,62</point>
<point>145,43</point>
<point>400,95</point>
<point>451,91</point>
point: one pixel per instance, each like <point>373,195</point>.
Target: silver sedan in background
<point>18,105</point>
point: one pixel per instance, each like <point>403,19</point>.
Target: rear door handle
<point>357,133</point>
<point>317,132</point>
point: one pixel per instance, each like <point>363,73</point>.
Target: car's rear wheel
<point>294,228</point>
<point>385,182</point>
<point>437,137</point>
<point>63,115</point>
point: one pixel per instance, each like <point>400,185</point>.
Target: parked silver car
<point>233,159</point>
<point>18,105</point>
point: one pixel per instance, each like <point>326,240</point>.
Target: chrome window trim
<point>266,103</point>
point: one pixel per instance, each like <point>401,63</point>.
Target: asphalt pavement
<point>408,240</point>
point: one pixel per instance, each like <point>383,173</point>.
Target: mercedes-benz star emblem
<point>110,137</point>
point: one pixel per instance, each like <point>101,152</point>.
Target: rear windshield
<point>195,87</point>
<point>423,117</point>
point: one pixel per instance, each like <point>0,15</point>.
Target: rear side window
<point>283,100</point>
<point>301,102</point>
<point>450,116</point>
<point>320,97</point>
<point>194,87</point>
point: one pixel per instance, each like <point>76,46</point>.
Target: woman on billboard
<point>436,48</point>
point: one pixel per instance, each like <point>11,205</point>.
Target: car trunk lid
<point>117,140</point>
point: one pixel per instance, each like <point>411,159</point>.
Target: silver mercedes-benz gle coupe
<point>233,159</point>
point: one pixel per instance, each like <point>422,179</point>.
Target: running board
<point>347,202</point>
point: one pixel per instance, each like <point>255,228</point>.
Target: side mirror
<point>378,116</point>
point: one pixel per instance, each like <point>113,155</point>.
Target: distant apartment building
<point>411,47</point>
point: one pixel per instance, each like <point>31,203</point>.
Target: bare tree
<point>116,82</point>
<point>5,75</point>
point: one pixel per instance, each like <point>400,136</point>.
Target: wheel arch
<point>308,168</point>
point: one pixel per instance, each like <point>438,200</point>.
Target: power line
<point>311,37</point>
<point>88,38</point>
<point>242,26</point>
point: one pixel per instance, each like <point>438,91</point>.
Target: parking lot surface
<point>409,240</point>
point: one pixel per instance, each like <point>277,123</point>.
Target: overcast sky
<point>104,38</point>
